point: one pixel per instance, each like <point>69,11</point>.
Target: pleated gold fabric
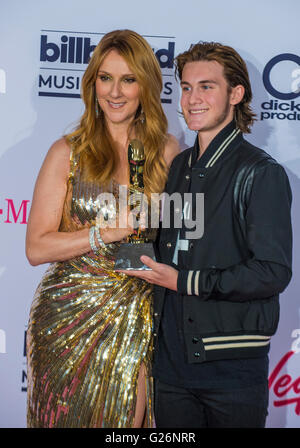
<point>89,332</point>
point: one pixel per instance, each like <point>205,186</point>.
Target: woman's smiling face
<point>117,90</point>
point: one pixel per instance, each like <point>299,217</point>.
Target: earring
<point>142,117</point>
<point>97,107</point>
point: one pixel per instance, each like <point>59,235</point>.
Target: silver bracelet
<point>92,240</point>
<point>98,236</point>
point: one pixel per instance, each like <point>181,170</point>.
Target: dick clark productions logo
<point>284,107</point>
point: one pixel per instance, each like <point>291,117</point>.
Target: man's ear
<point>237,94</point>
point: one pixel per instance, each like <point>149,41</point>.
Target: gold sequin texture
<point>89,332</point>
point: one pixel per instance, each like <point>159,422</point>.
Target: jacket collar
<point>224,140</point>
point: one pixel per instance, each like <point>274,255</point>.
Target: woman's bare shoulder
<point>57,160</point>
<point>60,148</point>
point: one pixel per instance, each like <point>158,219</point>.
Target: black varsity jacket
<point>234,272</point>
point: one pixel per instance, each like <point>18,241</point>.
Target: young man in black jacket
<point>217,284</point>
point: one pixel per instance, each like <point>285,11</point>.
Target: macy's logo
<point>283,384</point>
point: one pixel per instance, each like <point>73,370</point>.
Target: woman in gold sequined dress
<point>89,334</point>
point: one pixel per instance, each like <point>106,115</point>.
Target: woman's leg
<point>140,407</point>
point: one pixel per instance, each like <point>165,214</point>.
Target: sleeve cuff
<point>188,283</point>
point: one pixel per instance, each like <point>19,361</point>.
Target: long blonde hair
<point>98,155</point>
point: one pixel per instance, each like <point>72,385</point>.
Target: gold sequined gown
<point>89,332</point>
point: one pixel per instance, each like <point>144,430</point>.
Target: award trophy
<point>139,243</point>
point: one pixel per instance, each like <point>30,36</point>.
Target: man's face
<point>207,102</point>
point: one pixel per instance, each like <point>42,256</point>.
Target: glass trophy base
<point>128,256</point>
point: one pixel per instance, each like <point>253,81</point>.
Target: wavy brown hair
<point>92,140</point>
<point>235,72</point>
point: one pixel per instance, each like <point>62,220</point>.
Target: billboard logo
<point>284,107</point>
<point>71,49</point>
<point>64,56</point>
<point>2,341</point>
<point>2,81</point>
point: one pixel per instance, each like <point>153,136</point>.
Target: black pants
<point>176,407</point>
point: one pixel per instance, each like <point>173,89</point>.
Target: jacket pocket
<point>224,317</point>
